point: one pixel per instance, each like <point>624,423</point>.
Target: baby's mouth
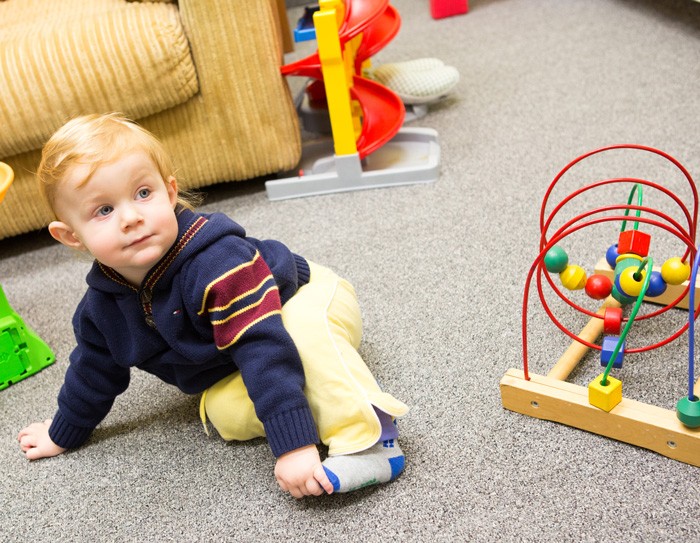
<point>139,240</point>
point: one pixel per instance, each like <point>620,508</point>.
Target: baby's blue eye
<point>143,193</point>
<point>105,210</point>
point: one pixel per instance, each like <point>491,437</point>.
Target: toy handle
<point>6,178</point>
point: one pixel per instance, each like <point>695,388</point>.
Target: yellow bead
<point>605,397</point>
<point>675,271</point>
<point>573,277</point>
<point>629,284</point>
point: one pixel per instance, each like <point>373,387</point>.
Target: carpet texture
<point>440,271</point>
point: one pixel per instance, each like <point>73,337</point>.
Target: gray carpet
<point>440,271</point>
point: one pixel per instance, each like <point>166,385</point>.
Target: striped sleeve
<point>239,299</point>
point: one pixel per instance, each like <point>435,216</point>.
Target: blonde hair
<point>95,140</point>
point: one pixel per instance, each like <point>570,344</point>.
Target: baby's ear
<point>62,233</point>
<point>171,185</point>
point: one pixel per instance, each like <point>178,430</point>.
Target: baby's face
<point>124,215</point>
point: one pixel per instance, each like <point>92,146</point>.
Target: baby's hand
<point>301,473</point>
<point>35,442</point>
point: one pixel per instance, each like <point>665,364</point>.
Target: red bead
<point>612,320</point>
<point>635,242</point>
<point>598,286</point>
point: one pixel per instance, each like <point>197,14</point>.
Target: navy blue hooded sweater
<point>210,307</point>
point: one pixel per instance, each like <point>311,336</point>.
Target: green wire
<point>633,314</point>
<point>637,188</point>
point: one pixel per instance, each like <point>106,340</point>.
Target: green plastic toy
<point>22,352</point>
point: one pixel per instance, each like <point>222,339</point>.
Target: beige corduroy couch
<point>203,75</point>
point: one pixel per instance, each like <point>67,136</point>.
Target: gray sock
<point>381,463</point>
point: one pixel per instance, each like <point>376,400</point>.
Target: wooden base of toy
<point>553,398</point>
<point>633,422</point>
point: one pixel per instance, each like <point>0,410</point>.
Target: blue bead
<point>657,285</point>
<point>609,344</point>
<point>611,255</point>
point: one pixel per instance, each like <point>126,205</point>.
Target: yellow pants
<point>323,319</point>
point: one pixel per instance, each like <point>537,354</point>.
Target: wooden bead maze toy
<point>624,280</point>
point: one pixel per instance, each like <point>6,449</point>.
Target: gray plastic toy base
<point>412,156</point>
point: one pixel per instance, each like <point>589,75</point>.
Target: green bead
<point>556,260</point>
<point>688,411</point>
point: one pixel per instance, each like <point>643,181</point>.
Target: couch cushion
<point>110,55</point>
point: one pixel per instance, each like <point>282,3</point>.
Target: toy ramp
<point>382,114</point>
<point>376,36</point>
<point>383,111</point>
<point>306,67</point>
<point>359,19</point>
<point>359,15</point>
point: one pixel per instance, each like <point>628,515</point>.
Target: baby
<point>267,337</point>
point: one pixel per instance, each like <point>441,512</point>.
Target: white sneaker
<point>418,81</point>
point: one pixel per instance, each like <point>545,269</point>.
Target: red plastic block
<point>446,8</point>
<point>635,242</point>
